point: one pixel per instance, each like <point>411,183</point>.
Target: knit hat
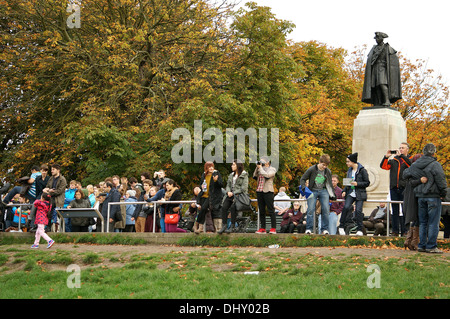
<point>131,192</point>
<point>353,157</point>
<point>429,149</point>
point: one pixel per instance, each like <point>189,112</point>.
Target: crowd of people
<point>418,181</point>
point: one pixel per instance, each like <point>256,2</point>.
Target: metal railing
<point>156,203</point>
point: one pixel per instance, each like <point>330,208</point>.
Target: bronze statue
<point>382,84</point>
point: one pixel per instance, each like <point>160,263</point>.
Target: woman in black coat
<point>210,196</point>
<point>173,193</point>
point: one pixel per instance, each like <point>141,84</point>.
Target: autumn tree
<point>91,97</point>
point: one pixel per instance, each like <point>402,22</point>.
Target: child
<point>43,209</point>
<point>130,197</point>
<point>21,213</point>
<point>292,219</point>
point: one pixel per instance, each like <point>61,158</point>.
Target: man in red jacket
<point>396,165</point>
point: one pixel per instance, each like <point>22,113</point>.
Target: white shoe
<point>341,231</point>
<point>325,232</point>
<point>307,232</point>
<point>359,233</point>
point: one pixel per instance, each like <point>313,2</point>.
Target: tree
<point>130,65</point>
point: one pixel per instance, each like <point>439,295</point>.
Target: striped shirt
<point>32,190</point>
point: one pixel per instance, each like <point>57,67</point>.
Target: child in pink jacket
<point>43,207</point>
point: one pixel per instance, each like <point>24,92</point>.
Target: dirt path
<point>162,249</point>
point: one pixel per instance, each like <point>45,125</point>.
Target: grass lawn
<point>218,273</point>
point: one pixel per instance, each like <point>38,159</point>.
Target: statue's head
<point>380,36</point>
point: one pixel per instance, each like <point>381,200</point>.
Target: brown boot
<point>407,243</point>
<point>199,229</point>
<point>415,238</point>
<point>195,227</point>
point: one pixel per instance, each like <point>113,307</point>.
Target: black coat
<point>176,196</point>
<point>215,194</point>
<point>362,178</point>
<point>115,212</point>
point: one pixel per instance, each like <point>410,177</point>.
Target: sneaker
<point>341,231</point>
<point>35,246</point>
<point>308,232</point>
<point>434,251</point>
<point>359,233</point>
<point>50,243</point>
<point>272,231</point>
<point>325,232</point>
<point>260,231</point>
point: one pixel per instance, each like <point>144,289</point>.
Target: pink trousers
<point>41,232</point>
<point>173,228</point>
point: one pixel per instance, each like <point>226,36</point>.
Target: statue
<point>382,85</point>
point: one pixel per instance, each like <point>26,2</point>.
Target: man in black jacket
<point>113,196</point>
<point>429,194</point>
<point>396,165</point>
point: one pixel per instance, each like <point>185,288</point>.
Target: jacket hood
<point>349,172</point>
<point>244,172</point>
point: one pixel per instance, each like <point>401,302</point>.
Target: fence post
<point>107,219</point>
<point>154,217</point>
<point>387,218</point>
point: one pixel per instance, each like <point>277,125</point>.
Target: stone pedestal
<point>375,130</point>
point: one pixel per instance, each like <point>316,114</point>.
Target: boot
<point>224,228</point>
<point>415,238</point>
<point>407,243</point>
<point>232,229</point>
<point>195,227</point>
<point>199,229</point>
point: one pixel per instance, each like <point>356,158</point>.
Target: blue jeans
<point>429,216</point>
<point>332,223</point>
<point>13,192</point>
<point>324,199</point>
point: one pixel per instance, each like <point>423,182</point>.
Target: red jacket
<point>42,209</point>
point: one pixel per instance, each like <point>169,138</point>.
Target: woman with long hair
<point>237,184</point>
<point>173,193</point>
<point>210,196</point>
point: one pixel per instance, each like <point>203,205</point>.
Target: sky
<point>417,29</point>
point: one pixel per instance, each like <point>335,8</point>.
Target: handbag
<point>242,202</point>
<point>171,218</point>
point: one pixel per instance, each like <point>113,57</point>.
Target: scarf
<point>169,194</point>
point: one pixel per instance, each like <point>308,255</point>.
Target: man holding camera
<point>264,175</point>
<point>396,165</point>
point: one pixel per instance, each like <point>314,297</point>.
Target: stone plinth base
<point>375,130</point>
